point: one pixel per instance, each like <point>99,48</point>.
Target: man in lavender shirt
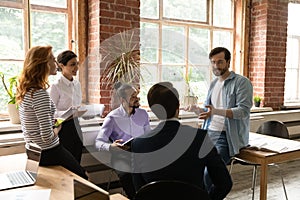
<point>125,122</point>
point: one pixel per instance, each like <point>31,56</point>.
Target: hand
<point>117,145</point>
<point>56,130</point>
<point>193,108</point>
<point>208,114</point>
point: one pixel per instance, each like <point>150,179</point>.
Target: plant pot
<point>13,113</point>
<point>257,104</point>
<point>189,100</point>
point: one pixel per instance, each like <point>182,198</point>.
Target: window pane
<point>150,77</point>
<point>149,43</point>
<point>293,17</point>
<point>222,39</point>
<point>52,3</point>
<point>11,33</point>
<point>173,44</point>
<point>9,69</point>
<point>222,13</point>
<point>49,29</point>
<point>149,9</point>
<point>174,74</point>
<point>187,10</point>
<point>199,81</point>
<point>292,85</point>
<point>199,46</point>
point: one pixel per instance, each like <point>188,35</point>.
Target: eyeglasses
<point>219,62</point>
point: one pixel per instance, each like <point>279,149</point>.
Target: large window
<point>27,23</point>
<point>292,76</point>
<point>176,38</point>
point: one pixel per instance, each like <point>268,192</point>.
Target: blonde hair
<point>36,69</point>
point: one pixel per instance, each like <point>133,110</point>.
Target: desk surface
<point>290,150</point>
<point>56,178</point>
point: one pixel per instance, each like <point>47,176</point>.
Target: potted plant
<point>189,98</point>
<point>121,56</point>
<point>121,60</point>
<point>11,92</point>
<point>257,99</point>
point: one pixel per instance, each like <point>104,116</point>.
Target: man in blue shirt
<point>227,106</point>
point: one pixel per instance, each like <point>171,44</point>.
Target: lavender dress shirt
<point>118,125</point>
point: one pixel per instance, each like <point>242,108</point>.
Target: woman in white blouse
<point>66,93</point>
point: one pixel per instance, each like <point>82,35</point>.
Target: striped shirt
<point>37,119</point>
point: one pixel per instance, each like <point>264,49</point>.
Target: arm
<point>239,103</point>
<point>103,142</point>
<point>42,107</point>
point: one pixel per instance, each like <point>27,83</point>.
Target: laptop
<point>83,191</point>
<point>21,178</point>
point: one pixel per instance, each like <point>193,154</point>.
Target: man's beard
<point>220,72</point>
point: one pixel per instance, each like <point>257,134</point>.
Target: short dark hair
<point>121,89</point>
<point>219,50</point>
<point>65,56</point>
<point>163,100</point>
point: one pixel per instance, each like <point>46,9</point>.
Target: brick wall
<point>107,18</point>
<point>268,36</point>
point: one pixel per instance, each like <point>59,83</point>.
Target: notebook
<point>85,192</point>
<point>69,114</point>
<point>27,177</point>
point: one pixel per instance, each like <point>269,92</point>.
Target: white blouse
<point>65,94</point>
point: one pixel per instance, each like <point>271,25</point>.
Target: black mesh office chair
<point>171,189</point>
<point>272,128</point>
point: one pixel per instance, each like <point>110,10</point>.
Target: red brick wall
<point>107,18</point>
<point>267,56</point>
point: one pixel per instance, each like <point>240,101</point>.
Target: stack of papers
<point>272,144</point>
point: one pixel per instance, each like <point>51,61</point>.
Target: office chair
<point>171,189</point>
<point>272,128</point>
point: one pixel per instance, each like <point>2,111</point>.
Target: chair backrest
<point>171,189</point>
<point>274,128</point>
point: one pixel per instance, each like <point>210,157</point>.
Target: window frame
<point>240,14</point>
<point>26,8</point>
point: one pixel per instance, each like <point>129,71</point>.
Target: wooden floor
<point>242,177</point>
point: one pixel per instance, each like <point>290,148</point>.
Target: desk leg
<point>263,181</point>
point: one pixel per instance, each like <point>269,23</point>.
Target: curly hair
<point>36,69</point>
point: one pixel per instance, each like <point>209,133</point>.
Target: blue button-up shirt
<point>119,125</point>
<point>237,95</point>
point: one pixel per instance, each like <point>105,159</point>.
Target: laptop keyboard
<point>19,178</point>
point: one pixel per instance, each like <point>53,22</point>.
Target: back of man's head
<point>163,100</point>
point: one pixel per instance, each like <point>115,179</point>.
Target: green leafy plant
<point>10,88</point>
<point>257,99</point>
<point>121,56</point>
<point>187,78</point>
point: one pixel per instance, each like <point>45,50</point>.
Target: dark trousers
<point>122,161</point>
<point>60,156</point>
<point>127,183</point>
<point>70,136</point>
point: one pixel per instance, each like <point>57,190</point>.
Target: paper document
<point>272,144</point>
<point>26,194</point>
<point>69,114</point>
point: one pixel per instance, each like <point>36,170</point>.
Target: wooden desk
<point>56,178</point>
<point>292,152</point>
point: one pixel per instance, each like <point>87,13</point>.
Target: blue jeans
<point>220,141</point>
